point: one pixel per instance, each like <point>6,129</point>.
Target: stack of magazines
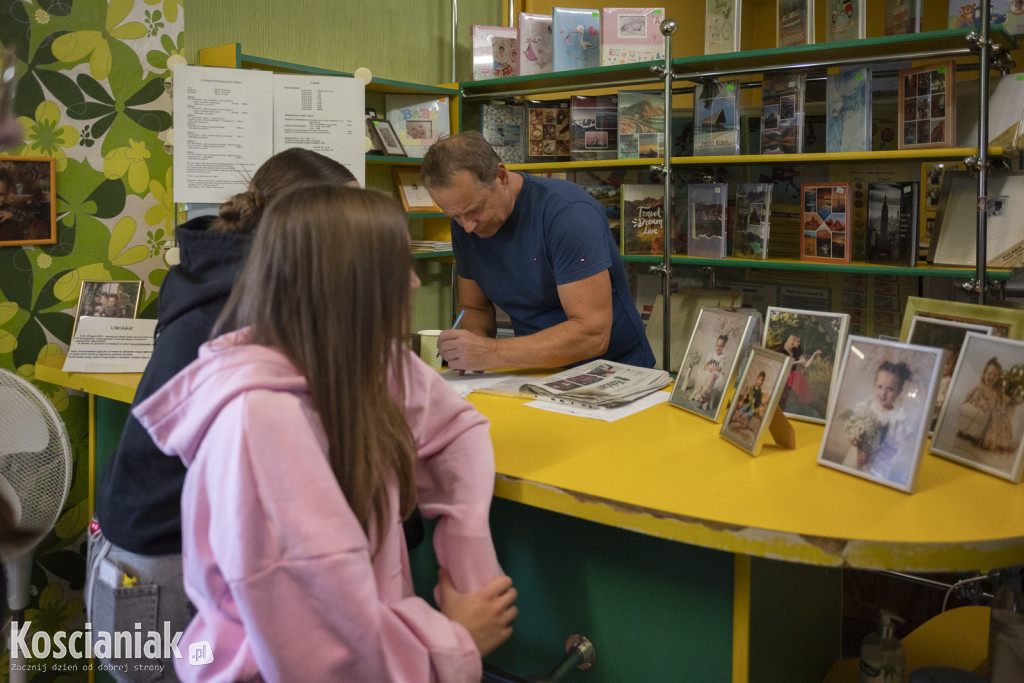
<point>598,384</point>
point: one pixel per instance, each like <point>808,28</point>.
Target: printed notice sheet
<point>323,114</point>
<point>110,345</point>
<point>223,130</point>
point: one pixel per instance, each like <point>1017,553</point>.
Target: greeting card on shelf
<point>577,34</point>
<point>502,125</point>
<point>419,122</point>
<point>535,44</point>
<point>902,16</point>
<point>892,223</point>
<point>595,124</point>
<point>967,13</point>
<point>643,219</point>
<point>782,113</point>
<point>641,124</point>
<point>844,20</point>
<point>631,34</point>
<point>794,22</point>
<point>848,111</point>
<point>495,51</point>
<point>824,225</point>
<point>550,130</point>
<point>721,26</point>
<point>753,212</point>
<point>716,116</point>
<point>927,105</point>
<point>706,208</point>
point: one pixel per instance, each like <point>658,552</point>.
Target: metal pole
<point>455,35</point>
<point>667,27</point>
<point>983,66</point>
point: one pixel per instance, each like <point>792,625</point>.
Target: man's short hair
<point>468,152</point>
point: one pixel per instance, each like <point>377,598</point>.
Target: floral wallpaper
<point>92,92</point>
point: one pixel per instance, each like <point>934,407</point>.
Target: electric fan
<point>35,474</point>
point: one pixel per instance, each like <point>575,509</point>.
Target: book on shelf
<point>536,44</point>
<point>682,133</point>
<point>721,26</point>
<point>641,124</point>
<point>643,219</point>
<point>502,125</point>
<point>598,384</point>
<point>902,16</point>
<point>967,14</point>
<point>495,51</point>
<point>848,111</point>
<point>844,20</point>
<point>418,120</point>
<point>605,185</point>
<point>577,38</point>
<point>927,105</point>
<point>716,129</point>
<point>595,127</point>
<point>794,22</point>
<point>823,222</point>
<point>753,218</point>
<point>631,34</point>
<point>707,207</point>
<point>550,130</point>
<point>782,112</point>
<point>892,223</point>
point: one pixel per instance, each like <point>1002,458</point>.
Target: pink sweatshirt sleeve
<point>455,475</point>
<point>289,572</point>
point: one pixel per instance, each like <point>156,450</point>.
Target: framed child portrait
<point>1006,322</point>
<point>107,299</point>
<point>979,425</point>
<point>880,411</point>
<point>947,335</point>
<point>28,207</point>
<point>814,340</point>
<point>710,361</point>
<point>756,399</point>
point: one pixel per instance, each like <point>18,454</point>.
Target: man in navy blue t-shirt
<point>541,249</point>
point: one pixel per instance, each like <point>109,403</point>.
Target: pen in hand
<point>458,320</point>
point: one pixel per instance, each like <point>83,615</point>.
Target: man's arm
<point>585,334</point>
<point>480,314</point>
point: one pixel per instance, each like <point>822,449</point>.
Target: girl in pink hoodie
<point>309,432</point>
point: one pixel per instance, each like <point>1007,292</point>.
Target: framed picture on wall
<point>28,207</point>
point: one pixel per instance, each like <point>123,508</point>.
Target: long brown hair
<point>280,172</point>
<point>327,284</point>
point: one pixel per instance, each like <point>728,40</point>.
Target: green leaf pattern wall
<point>93,91</point>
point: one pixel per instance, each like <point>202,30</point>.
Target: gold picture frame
<point>1007,322</point>
<point>28,206</point>
<point>412,191</point>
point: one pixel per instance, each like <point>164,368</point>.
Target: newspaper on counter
<point>598,384</point>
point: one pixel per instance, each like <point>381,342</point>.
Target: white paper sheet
<point>110,345</point>
<point>324,114</point>
<point>223,130</point>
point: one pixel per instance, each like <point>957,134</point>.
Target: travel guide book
<point>892,223</point>
<point>595,127</point>
<point>707,205</point>
<point>643,219</point>
<point>753,212</point>
<point>716,118</point>
<point>824,236</point>
<point>848,111</point>
<point>782,113</point>
<point>641,124</point>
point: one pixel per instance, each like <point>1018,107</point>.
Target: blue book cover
<point>577,38</point>
<point>848,107</point>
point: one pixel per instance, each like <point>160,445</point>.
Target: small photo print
<point>107,299</point>
<point>419,130</point>
<point>880,411</point>
<point>595,139</point>
<point>632,25</point>
<point>756,399</point>
<point>979,425</point>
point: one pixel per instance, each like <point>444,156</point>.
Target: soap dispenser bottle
<point>881,653</point>
<point>1006,630</point>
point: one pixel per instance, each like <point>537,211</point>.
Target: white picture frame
<point>880,411</point>
<point>984,431</point>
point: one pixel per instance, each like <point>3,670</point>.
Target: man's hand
<point>464,350</point>
<point>487,614</point>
